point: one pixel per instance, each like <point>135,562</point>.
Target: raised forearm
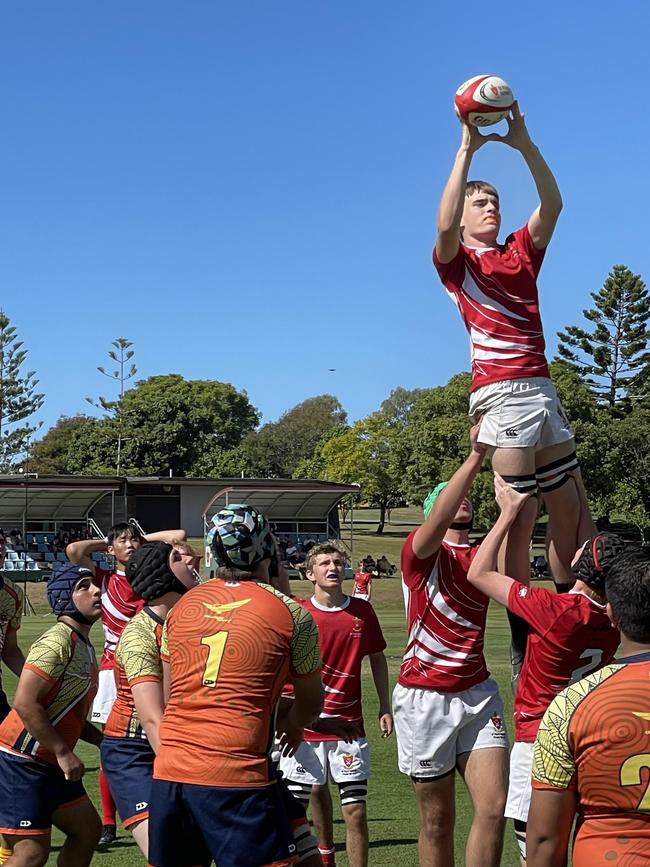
<point>486,557</point>
<point>549,193</point>
<point>450,210</point>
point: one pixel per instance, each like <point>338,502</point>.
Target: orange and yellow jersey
<point>230,646</point>
<point>66,660</point>
<point>11,609</point>
<point>137,659</point>
<point>595,739</point>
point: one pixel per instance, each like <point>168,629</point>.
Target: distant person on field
<point>592,752</point>
<point>40,774</point>
<point>119,605</point>
<point>494,287</point>
<point>362,588</point>
<point>448,711</point>
<point>570,635</point>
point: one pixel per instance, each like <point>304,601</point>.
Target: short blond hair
<point>332,546</point>
<point>480,187</point>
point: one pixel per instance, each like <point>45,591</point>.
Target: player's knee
<point>489,810</point>
<point>32,852</point>
<point>88,832</point>
<point>355,815</point>
<point>436,818</point>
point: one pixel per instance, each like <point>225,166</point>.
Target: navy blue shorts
<point>191,825</point>
<point>128,766</point>
<point>5,707</point>
<point>31,792</point>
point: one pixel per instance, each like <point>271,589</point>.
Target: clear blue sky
<point>247,190</point>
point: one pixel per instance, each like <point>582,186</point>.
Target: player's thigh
<point>485,772</point>
<point>550,455</point>
<point>79,819</point>
<point>514,462</point>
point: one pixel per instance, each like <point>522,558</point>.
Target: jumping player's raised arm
<point>79,552</point>
<point>543,219</point>
<point>429,536</point>
<point>483,571</point>
<point>450,210</point>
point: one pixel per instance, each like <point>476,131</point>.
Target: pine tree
<point>612,357</point>
<point>18,397</point>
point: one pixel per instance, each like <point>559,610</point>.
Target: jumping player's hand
<point>474,432</point>
<point>386,724</point>
<point>517,136</point>
<point>72,766</point>
<point>471,139</point>
<point>509,500</point>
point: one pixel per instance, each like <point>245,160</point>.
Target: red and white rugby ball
<point>484,100</point>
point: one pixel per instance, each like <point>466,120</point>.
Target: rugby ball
<point>484,100</point>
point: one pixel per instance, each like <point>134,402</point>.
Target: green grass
<point>391,804</point>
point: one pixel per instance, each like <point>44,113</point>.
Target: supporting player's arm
<point>79,552</point>
<point>12,655</point>
<point>450,210</point>
<point>91,735</point>
<point>307,705</point>
<point>550,820</point>
<point>149,703</point>
<point>28,704</point>
<point>428,537</point>
<point>379,668</point>
<point>483,570</point>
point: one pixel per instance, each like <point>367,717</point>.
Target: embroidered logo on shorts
<point>348,760</point>
<point>141,806</point>
<point>511,432</point>
<point>25,823</point>
<point>425,764</point>
<point>300,770</point>
<point>497,722</point>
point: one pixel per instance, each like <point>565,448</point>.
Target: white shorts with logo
<point>520,413</point>
<point>345,762</point>
<point>434,728</point>
<point>520,787</point>
<point>105,698</point>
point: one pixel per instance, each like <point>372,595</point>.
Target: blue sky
<point>247,191</point>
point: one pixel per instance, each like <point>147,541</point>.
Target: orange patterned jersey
<point>595,738</point>
<point>137,659</point>
<point>230,646</point>
<point>66,660</point>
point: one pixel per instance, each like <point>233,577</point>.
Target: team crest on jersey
<point>348,760</point>
<point>523,591</point>
<point>497,722</point>
<point>357,626</point>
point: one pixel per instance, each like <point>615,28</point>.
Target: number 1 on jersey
<point>216,645</point>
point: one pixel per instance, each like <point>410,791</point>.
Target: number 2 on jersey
<point>630,775</point>
<point>216,645</point>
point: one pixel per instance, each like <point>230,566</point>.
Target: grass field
<point>391,804</point>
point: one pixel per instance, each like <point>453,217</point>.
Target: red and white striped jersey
<point>495,290</point>
<point>119,605</point>
<point>445,617</point>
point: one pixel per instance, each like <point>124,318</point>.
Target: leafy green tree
<point>364,454</point>
<point>50,455</point>
<point>18,397</point>
<point>612,356</point>
<point>279,447</point>
<point>167,423</point>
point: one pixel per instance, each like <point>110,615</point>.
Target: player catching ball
<point>494,286</point>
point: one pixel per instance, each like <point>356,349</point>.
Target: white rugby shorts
<point>106,694</point>
<point>520,786</point>
<point>520,413</point>
<point>346,763</point>
<point>434,728</point>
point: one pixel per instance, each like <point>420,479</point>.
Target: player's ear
<point>612,616</point>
